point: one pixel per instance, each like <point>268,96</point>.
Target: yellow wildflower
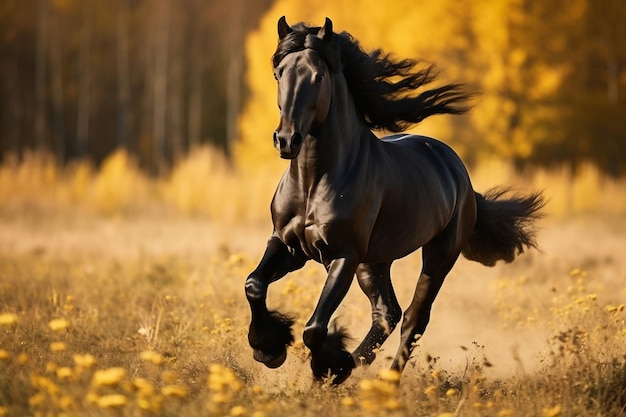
<point>112,401</point>
<point>144,387</point>
<point>64,372</point>
<point>176,391</point>
<point>237,411</point>
<point>222,378</point>
<point>552,411</point>
<point>170,377</point>
<point>4,355</point>
<point>57,325</point>
<point>92,398</point>
<point>66,402</point>
<point>152,403</point>
<point>430,389</point>
<point>8,319</point>
<point>84,361</point>
<point>236,259</point>
<point>58,346</point>
<point>348,402</point>
<point>108,377</point>
<point>392,404</point>
<point>152,357</point>
<point>451,392</point>
<point>390,375</point>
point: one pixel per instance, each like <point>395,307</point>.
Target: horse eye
<point>319,78</point>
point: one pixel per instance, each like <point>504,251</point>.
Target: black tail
<point>504,226</point>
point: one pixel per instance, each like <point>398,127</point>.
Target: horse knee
<point>255,290</point>
<point>314,336</point>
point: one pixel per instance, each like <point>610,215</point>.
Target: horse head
<point>304,91</point>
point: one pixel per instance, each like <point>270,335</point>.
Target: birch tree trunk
<point>160,84</point>
<point>123,74</point>
<point>40,76</point>
<point>84,81</point>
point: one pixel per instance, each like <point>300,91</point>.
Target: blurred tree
<point>157,77</point>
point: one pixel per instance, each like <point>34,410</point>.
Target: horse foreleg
<point>328,353</point>
<point>375,281</point>
<point>270,331</point>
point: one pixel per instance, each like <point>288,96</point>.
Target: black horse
<point>355,203</point>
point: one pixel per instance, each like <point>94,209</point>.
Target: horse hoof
<point>342,375</point>
<point>270,360</point>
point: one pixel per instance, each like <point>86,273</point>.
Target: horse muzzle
<point>288,146</point>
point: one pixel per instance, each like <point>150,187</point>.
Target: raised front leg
<point>270,331</point>
<point>328,353</point>
<point>375,281</point>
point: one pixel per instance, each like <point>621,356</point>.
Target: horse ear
<point>326,31</point>
<point>283,28</point>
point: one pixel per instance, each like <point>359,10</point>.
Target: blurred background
<point>124,103</point>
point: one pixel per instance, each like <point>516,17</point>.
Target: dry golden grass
<point>133,305</point>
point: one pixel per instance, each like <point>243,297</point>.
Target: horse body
<point>356,203</point>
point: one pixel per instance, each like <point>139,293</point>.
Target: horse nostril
<point>279,142</point>
<point>296,140</point>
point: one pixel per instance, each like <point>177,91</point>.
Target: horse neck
<point>332,148</point>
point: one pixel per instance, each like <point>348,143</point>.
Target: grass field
<point>142,312</point>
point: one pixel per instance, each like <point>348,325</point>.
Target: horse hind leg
<point>375,281</point>
<point>439,256</point>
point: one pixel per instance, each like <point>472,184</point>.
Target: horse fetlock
<point>314,336</point>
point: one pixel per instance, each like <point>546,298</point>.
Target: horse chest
<point>320,228</point>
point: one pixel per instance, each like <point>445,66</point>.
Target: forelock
<point>304,37</point>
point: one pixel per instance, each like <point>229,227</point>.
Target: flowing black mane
<point>383,88</point>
